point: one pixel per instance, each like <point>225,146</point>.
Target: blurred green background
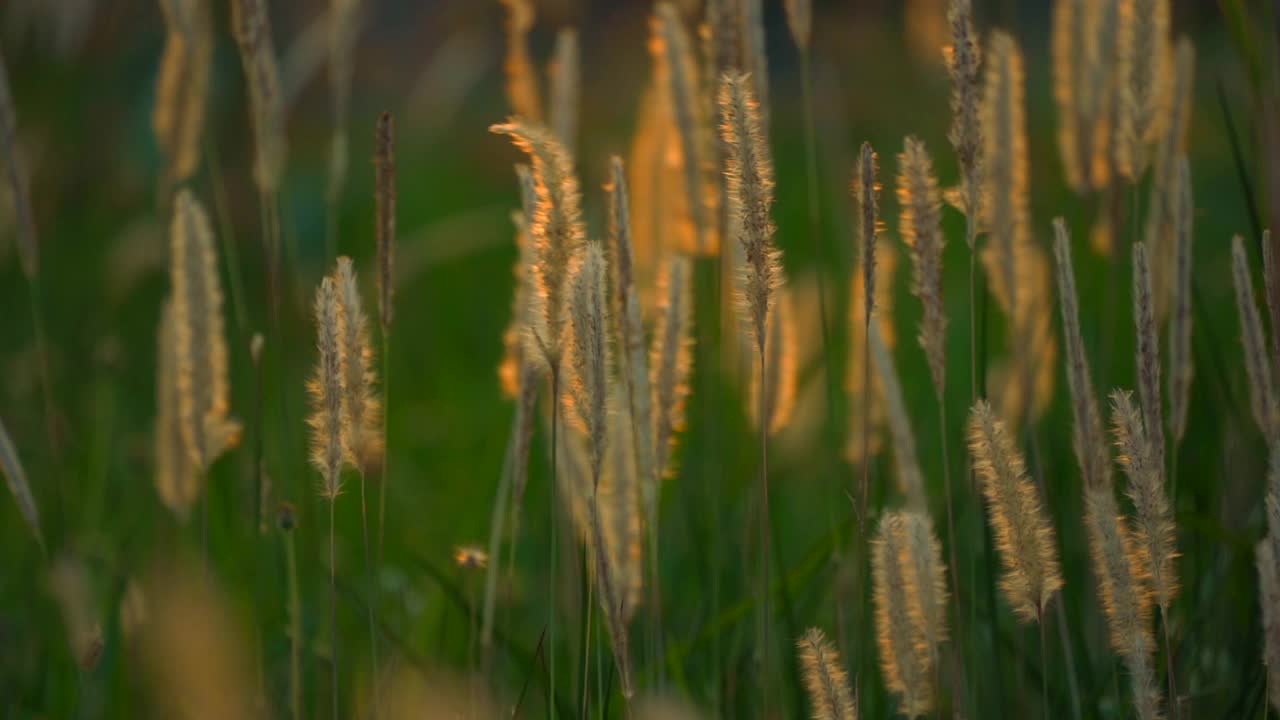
<point>83,78</point>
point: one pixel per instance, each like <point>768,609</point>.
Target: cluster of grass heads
<point>719,483</point>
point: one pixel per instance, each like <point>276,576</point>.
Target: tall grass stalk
<point>815,229</point>
<point>555,540</point>
<point>373,596</point>
<point>333,610</point>
<point>295,621</point>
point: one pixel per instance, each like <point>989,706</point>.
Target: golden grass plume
<point>918,224</point>
<point>1088,439</point>
<point>182,85</point>
<point>199,336</point>
<point>361,408</point>
<point>252,29</point>
<point>1023,533</point>
<point>176,480</point>
<point>328,451</point>
<point>671,357</point>
<point>963,57</point>
<point>1154,532</point>
<point>905,662</point>
<point>825,680</point>
<point>557,232</point>
<point>749,174</point>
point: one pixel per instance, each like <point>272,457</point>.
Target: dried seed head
<point>325,388</point>
<point>1180,366</point>
<point>866,194</point>
<point>361,409</point>
<point>1143,76</point>
<point>589,385</point>
<point>557,233</point>
<point>825,679</point>
<point>199,337</point>
<point>1154,531</point>
<point>928,578</point>
<point>384,160</point>
<point>670,359</point>
<point>1122,589</point>
<point>252,30</point>
<point>522,79</point>
<point>1262,395</point>
<point>963,57</point>
<point>919,226</point>
<point>1023,533</point>
<point>177,482</point>
<point>1087,436</point>
<point>182,85</point>
<point>906,663</point>
<point>749,173</point>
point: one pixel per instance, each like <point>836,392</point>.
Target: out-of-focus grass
<point>84,119</point>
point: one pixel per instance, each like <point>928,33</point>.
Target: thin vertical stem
<point>386,454</point>
<point>46,388</point>
<point>555,541</point>
<point>586,637</point>
<point>333,610</point>
<point>951,524</point>
<point>497,523</point>
<point>1174,710</point>
<point>815,224</point>
<point>229,250</point>
<point>1044,668</point>
<point>368,569</point>
<point>764,530</point>
<point>295,627</point>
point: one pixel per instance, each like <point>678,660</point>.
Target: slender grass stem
<point>333,609</point>
<point>386,453</point>
<point>497,522</point>
<point>230,250</point>
<point>951,523</point>
<point>1174,710</point>
<point>295,627</point>
<point>815,230</point>
<point>763,639</point>
<point>1044,669</point>
<point>585,652</point>
<point>373,596</point>
<point>555,541</point>
<point>46,389</point>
